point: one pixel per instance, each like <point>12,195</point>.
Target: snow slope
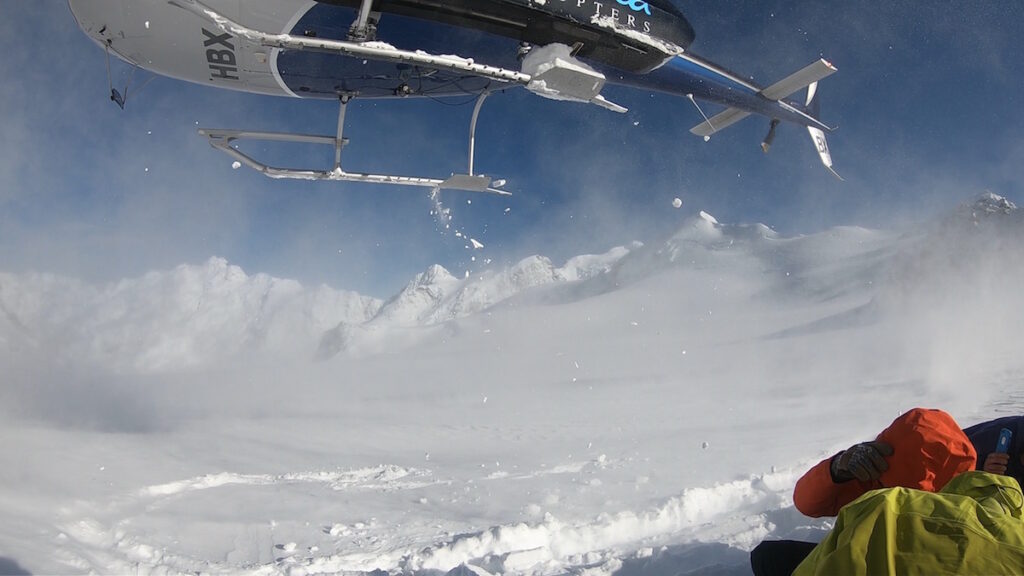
<point>644,411</point>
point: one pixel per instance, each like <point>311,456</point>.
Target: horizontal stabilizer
<point>796,81</point>
<point>799,80</point>
<point>727,117</point>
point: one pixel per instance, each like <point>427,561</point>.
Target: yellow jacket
<point>974,525</point>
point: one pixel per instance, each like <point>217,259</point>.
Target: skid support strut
<point>472,128</point>
<point>362,30</point>
<point>340,141</point>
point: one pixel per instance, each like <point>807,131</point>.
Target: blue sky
<point>928,101</point>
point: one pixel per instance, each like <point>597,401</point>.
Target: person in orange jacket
<point>922,449</point>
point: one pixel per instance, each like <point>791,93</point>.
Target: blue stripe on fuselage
<point>693,68</point>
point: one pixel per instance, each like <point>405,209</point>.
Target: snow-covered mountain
<point>986,205</point>
<point>435,296</point>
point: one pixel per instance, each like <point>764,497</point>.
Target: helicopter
<point>393,49</point>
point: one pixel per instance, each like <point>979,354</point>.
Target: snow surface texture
<point>642,411</point>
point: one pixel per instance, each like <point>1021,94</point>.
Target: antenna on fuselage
<point>115,96</point>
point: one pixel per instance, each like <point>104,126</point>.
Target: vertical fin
<point>818,135</point>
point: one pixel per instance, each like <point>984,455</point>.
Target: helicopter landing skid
<point>224,140</point>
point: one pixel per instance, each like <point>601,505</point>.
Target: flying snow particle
<point>704,445</point>
<point>442,214</point>
<point>147,169</point>
<point>147,24</point>
<point>507,210</point>
<point>236,165</point>
<point>676,203</point>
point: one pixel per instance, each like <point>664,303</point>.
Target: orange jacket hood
<point>929,449</point>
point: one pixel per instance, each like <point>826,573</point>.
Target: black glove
<point>864,462</point>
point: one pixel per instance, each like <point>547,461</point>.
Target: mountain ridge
<point>191,314</point>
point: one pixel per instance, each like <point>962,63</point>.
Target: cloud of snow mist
<point>808,322</point>
<point>120,355</point>
<point>77,397</point>
<point>955,294</point>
